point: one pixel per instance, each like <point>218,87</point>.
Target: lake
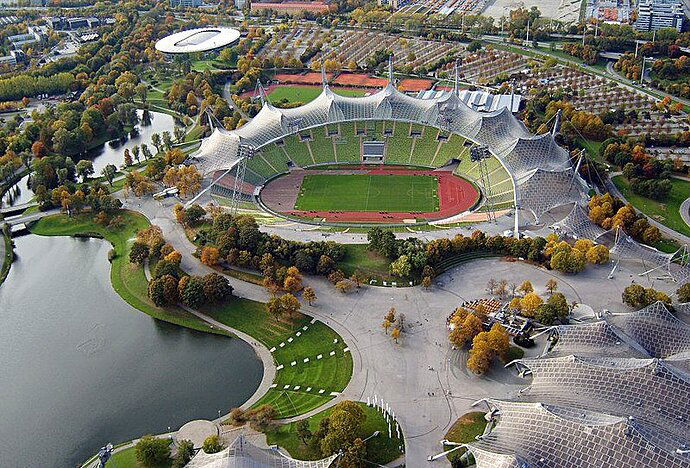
<point>81,368</point>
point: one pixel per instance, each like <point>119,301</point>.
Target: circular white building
<point>198,40</point>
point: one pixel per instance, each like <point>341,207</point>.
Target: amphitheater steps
<point>414,142</point>
<point>311,154</point>
<point>438,150</point>
<point>282,148</point>
<point>269,164</point>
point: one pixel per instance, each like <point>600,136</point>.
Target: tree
<point>290,304</point>
<point>395,334</point>
<point>560,305</point>
<point>138,253</point>
<point>499,341</point>
<point>274,307</point>
<point>210,256</point>
<point>212,444</point>
<point>390,315</point>
<point>108,172</point>
<point>84,169</point>
<point>529,304</point>
<point>401,267</point>
<point>551,285</point>
<point>386,325</point>
<point>216,288</point>
<point>491,286</point>
<point>128,158</point>
<point>343,427</point>
<point>683,293</point>
<point>136,152</point>
<point>426,282</point>
<point>480,356</point>
<point>598,255</point>
<point>344,286</point>
<point>526,287</point>
<point>309,295</point>
<point>634,296</point>
<point>465,332</point>
<point>185,452</point>
<point>193,293</point>
<point>302,429</point>
<point>193,215</point>
<point>151,451</point>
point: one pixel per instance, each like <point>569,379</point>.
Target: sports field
<point>368,193</point>
<point>305,93</point>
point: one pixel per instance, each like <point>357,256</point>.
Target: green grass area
<point>367,193</point>
<point>128,280</point>
<point>668,212</point>
<point>359,258</point>
<point>465,429</point>
<point>127,458</point>
<point>380,449</point>
<point>330,373</point>
<point>305,94</point>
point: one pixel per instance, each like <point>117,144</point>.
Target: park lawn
<point>359,258</point>
<point>330,373</point>
<point>128,280</point>
<point>464,430</point>
<point>668,212</point>
<point>368,193</point>
<point>305,94</point>
<point>380,449</point>
<point>127,458</point>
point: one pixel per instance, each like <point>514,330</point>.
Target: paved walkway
<point>422,378</point>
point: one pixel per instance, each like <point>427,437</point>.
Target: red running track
<point>455,196</point>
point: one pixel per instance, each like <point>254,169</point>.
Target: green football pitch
<point>367,193</point>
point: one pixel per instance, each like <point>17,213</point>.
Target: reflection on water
<point>19,193</point>
<point>81,368</point>
<point>113,151</point>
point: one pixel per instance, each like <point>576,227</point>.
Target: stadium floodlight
<point>479,154</point>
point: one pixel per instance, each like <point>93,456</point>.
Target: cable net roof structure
<point>647,389</point>
<point>555,436</point>
<point>611,393</point>
<point>578,225</point>
<point>243,454</point>
<point>656,329</point>
<point>590,339</point>
<point>540,170</point>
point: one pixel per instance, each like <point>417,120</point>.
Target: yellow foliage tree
<point>530,303</point>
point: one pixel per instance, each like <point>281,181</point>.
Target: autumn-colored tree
<point>481,355</point>
<point>344,286</point>
<point>526,287</point>
<point>274,307</point>
<point>128,158</point>
<point>174,257</point>
<point>386,325</point>
<point>499,341</point>
<point>426,282</point>
<point>395,334</point>
<point>464,333</point>
<point>551,285</point>
<point>309,295</point>
<point>210,256</point>
<point>515,303</point>
<point>390,315</point>
<point>290,303</point>
<point>529,304</point>
<point>598,255</point>
<point>292,284</point>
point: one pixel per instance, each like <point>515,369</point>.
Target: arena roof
<point>539,169</point>
<point>611,393</point>
<point>197,40</point>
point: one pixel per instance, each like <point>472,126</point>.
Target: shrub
<point>683,293</point>
<point>212,444</point>
<point>151,451</point>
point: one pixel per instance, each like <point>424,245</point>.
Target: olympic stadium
<point>326,162</point>
<point>198,40</point>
